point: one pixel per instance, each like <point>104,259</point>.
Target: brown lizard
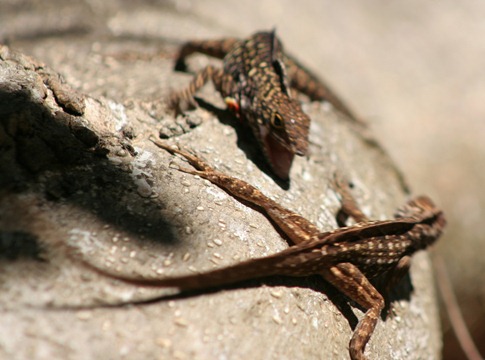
<point>256,81</point>
<point>348,257</point>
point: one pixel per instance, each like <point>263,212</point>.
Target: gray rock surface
<point>93,182</point>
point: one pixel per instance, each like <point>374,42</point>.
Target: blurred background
<point>414,70</point>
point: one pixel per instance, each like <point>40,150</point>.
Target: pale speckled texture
<point>156,220</point>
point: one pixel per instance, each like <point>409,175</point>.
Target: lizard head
<point>429,219</point>
<point>282,130</point>
<point>418,206</point>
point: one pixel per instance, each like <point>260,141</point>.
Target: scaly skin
<point>348,257</point>
<point>256,81</point>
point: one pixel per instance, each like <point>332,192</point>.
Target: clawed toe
<point>178,103</point>
<point>193,160</point>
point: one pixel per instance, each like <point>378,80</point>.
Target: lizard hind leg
<point>214,48</point>
<point>349,280</point>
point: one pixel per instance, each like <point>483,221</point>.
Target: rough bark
<point>79,170</point>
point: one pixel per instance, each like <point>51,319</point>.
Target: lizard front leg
<point>200,79</point>
<point>295,227</point>
<point>349,280</point>
<point>349,206</point>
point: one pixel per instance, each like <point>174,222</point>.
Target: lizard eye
<point>277,121</point>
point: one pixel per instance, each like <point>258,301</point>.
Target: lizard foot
<point>200,165</point>
<point>178,102</point>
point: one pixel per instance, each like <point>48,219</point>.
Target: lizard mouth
<point>280,158</point>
